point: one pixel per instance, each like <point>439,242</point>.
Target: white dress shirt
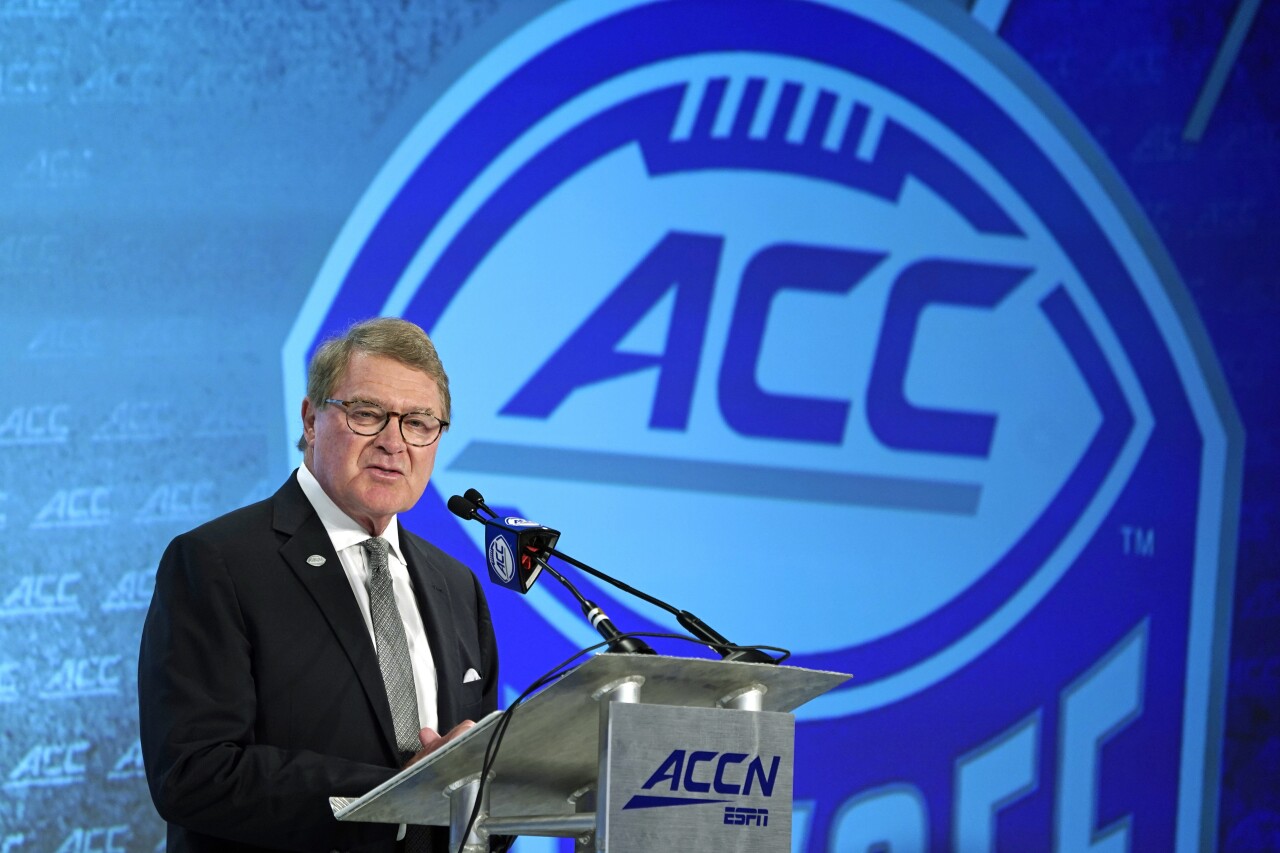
<point>346,536</point>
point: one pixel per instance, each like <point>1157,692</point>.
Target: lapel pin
<point>315,560</point>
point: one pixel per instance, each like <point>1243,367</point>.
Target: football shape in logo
<point>842,302</point>
<point>501,560</point>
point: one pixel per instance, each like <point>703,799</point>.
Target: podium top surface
<point>551,746</point>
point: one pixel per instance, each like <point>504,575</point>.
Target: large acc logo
<point>838,300</point>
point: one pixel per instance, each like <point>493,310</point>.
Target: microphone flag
<point>513,547</point>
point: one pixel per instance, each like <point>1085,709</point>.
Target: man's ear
<point>308,420</point>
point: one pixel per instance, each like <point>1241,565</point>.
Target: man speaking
<point>308,645</point>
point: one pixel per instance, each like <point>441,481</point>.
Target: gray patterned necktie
<point>393,649</point>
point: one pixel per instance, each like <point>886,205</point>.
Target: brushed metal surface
<point>551,745</point>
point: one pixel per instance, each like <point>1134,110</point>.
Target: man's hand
<point>431,740</point>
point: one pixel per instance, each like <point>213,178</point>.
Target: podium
<point>626,753</point>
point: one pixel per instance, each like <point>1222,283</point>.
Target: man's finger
<point>432,740</point>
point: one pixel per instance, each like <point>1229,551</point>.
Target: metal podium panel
<point>551,746</point>
<point>698,779</point>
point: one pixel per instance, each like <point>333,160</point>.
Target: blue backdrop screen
<point>920,340</point>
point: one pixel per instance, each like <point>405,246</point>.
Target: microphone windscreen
<point>462,507</point>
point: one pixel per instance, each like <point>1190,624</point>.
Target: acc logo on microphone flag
<point>501,561</point>
<point>847,288</point>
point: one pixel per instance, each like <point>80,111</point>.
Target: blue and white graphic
<point>706,772</point>
<point>502,562</point>
<point>845,303</point>
<point>853,327</point>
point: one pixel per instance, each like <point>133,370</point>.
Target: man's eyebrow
<point>425,410</point>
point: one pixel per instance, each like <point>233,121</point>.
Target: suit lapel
<point>437,619</point>
<point>328,586</point>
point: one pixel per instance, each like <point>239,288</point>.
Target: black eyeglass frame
<point>387,414</point>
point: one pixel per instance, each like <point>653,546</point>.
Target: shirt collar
<point>343,530</point>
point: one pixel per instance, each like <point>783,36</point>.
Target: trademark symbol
<point>1138,540</point>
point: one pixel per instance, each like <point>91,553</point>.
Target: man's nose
<point>389,437</point>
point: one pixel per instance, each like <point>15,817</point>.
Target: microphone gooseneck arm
<point>689,621</point>
<point>467,507</point>
<point>600,620</point>
<point>473,501</point>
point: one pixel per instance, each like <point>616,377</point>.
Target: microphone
<point>515,552</point>
<point>513,548</point>
<point>604,625</point>
<point>478,499</point>
<point>513,545</point>
<point>689,621</point>
<point>463,508</point>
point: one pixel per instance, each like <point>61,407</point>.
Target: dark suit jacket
<point>258,684</point>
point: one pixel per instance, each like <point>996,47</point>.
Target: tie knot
<point>377,549</point>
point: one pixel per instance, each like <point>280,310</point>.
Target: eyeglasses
<point>416,428</point>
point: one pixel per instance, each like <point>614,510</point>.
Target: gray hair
<point>391,337</point>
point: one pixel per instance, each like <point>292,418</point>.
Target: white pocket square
<point>471,676</point>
